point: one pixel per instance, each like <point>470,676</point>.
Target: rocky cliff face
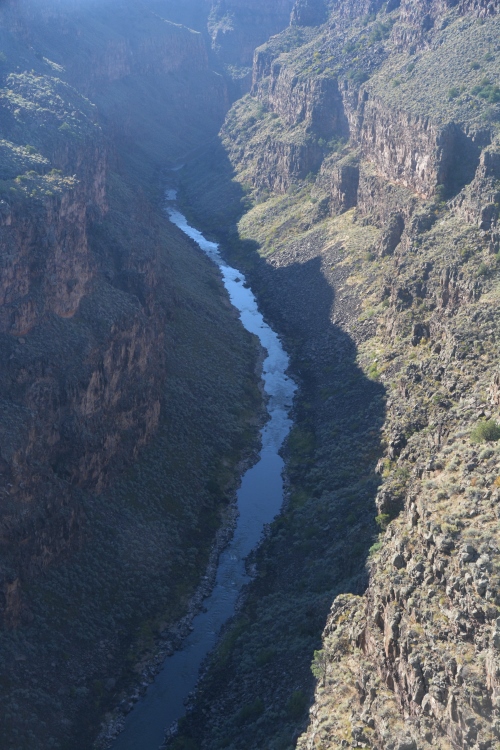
<point>420,148</point>
<point>417,20</point>
<point>396,237</point>
<point>114,52</point>
<point>112,330</point>
<point>156,45</point>
<point>308,13</point>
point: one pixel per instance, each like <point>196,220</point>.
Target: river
<point>259,500</point>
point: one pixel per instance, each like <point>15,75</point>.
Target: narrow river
<point>259,500</point>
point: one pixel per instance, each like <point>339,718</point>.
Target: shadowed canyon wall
<point>112,330</point>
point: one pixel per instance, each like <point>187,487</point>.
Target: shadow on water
<point>259,678</point>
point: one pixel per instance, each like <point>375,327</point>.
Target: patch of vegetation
<point>487,90</point>
<point>381,31</point>
<point>487,431</point>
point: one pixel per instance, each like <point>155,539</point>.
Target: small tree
<point>319,665</point>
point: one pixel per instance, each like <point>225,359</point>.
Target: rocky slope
<point>113,481</point>
<point>365,209</point>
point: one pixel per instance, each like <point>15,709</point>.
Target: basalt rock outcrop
<point>418,20</point>
<point>308,13</point>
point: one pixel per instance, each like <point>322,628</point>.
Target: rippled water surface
<point>259,500</point>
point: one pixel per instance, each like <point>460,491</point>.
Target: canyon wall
<point>112,330</point>
<point>384,257</point>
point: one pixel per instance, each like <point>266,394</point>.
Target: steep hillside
<point>362,181</point>
<point>113,480</point>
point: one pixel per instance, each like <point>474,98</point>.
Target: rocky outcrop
<point>378,199</point>
<point>478,204</point>
<point>482,8</point>
<point>341,180</point>
<point>428,155</point>
<point>444,684</point>
<point>282,163</point>
<point>316,102</point>
<point>358,8</point>
<point>415,152</point>
<point>308,13</point>
<point>417,20</point>
<point>237,27</point>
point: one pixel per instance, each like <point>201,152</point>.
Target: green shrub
<point>487,431</point>
<point>349,47</point>
<point>383,520</point>
<point>440,193</point>
<point>453,93</point>
<point>381,31</point>
<point>482,269</point>
<point>265,656</point>
<point>487,90</point>
<point>358,76</point>
<point>66,129</point>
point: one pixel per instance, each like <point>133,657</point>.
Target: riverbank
<point>172,638</point>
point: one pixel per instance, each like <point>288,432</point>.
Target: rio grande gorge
<point>249,375</point>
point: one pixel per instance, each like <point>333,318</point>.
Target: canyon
<point>346,156</point>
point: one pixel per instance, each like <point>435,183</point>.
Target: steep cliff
<point>367,160</point>
<point>113,480</point>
